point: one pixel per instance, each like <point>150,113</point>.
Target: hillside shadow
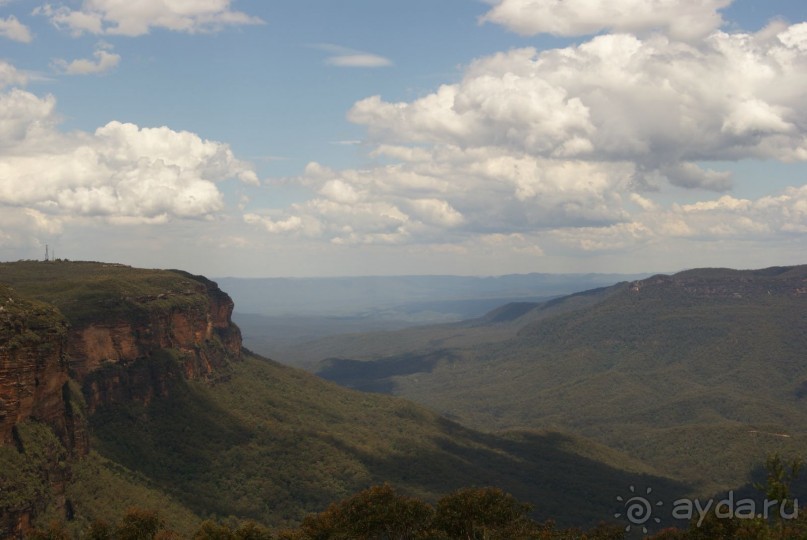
<point>173,441</point>
<point>572,490</point>
<point>754,488</point>
<point>376,375</point>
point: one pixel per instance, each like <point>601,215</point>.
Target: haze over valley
<point>276,315</point>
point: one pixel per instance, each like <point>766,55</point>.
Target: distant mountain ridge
<point>521,311</point>
<point>278,315</point>
<point>361,294</point>
<point>686,371</point>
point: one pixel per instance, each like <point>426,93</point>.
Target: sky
<point>318,138</point>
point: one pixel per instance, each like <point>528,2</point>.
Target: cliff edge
<point>77,336</point>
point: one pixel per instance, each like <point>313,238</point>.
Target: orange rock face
<point>201,336</point>
<point>133,354</point>
<point>121,349</point>
<point>34,384</point>
<point>111,359</point>
<point>33,369</point>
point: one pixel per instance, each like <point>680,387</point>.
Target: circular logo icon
<point>637,509</point>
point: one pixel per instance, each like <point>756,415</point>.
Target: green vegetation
<point>82,290</point>
<point>381,513</point>
<point>700,375</point>
<point>376,513</point>
<point>680,380</point>
<point>274,443</point>
<point>136,524</point>
<point>25,322</point>
<point>31,469</point>
<point>101,489</point>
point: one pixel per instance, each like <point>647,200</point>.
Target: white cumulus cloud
<point>11,76</point>
<point>120,172</point>
<point>449,196</point>
<point>137,18</point>
<point>726,218</point>
<point>104,61</point>
<point>681,19</point>
<point>359,60</point>
<point>568,146</point>
<point>662,105</point>
<point>13,29</point>
<point>22,226</point>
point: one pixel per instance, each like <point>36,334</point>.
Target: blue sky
<point>310,137</point>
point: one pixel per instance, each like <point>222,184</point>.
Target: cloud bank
<point>120,173</point>
<point>570,145</point>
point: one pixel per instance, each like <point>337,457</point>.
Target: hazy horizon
<point>303,276</point>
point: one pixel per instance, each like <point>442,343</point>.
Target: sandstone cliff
<point>110,355</point>
<point>75,337</point>
<point>34,384</point>
<point>33,368</point>
<point>99,324</point>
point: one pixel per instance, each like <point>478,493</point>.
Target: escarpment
<point>76,337</point>
<point>33,366</point>
<point>34,386</point>
<point>114,358</point>
<point>115,319</point>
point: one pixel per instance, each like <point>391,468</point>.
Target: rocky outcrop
<point>34,385</point>
<point>189,331</point>
<point>116,346</point>
<point>123,358</point>
<point>33,367</point>
<point>63,356</point>
<point>726,283</point>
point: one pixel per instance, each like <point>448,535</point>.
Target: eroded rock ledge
<point>75,337</point>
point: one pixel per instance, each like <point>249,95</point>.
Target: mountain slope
<point>77,337</point>
<point>273,443</point>
<point>700,374</point>
<point>122,386</point>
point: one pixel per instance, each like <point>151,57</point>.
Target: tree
<point>483,514</point>
<point>780,476</point>
<point>99,530</point>
<point>377,513</point>
<point>55,531</point>
<point>139,524</point>
<point>210,530</point>
<point>249,530</point>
